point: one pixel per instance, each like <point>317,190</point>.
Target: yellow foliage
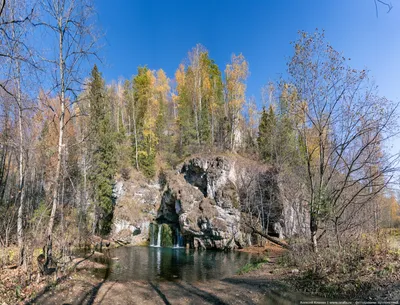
<point>236,74</point>
<point>180,78</point>
<point>162,84</point>
<point>315,141</point>
<point>390,211</point>
<point>153,108</point>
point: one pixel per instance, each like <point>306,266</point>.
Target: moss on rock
<point>166,236</point>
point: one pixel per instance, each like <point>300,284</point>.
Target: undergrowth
<point>257,264</point>
<point>351,271</point>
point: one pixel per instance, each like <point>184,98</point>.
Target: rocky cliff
<point>203,201</point>
<point>212,201</point>
<point>137,201</point>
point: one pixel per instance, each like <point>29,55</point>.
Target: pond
<point>157,263</point>
<point>170,265</point>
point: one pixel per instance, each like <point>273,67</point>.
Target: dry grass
<point>354,271</point>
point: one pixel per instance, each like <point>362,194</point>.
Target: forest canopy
<point>66,135</point>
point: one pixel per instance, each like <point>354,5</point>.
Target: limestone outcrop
<point>136,204</point>
<point>210,201</point>
<point>203,221</point>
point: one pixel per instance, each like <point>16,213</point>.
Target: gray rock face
<point>203,200</point>
<point>210,200</point>
<point>295,214</point>
<point>236,185</point>
<point>215,178</point>
<point>137,201</point>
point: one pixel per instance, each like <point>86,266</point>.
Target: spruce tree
<point>267,135</point>
<point>102,140</point>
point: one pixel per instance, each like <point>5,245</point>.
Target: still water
<point>154,264</point>
<point>150,263</point>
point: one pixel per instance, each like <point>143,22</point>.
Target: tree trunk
<point>270,238</point>
<point>136,141</point>
<point>60,146</point>
<point>212,127</point>
<point>196,121</point>
<point>337,234</point>
<point>21,182</point>
<point>313,230</point>
<point>18,97</point>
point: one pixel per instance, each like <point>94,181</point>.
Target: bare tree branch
<point>388,5</point>
<point>2,6</point>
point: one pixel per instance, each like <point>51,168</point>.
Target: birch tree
<point>67,22</point>
<point>235,88</point>
<point>17,56</point>
<point>17,34</point>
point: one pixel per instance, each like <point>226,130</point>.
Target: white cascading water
<point>179,240</point>
<point>159,235</point>
<point>151,228</point>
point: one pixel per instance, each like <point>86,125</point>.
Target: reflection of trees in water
<point>140,263</point>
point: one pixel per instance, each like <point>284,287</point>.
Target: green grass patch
<point>253,265</point>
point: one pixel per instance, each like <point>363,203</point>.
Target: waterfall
<point>151,228</point>
<point>169,237</point>
<point>178,239</point>
<point>155,241</point>
<point>159,235</point>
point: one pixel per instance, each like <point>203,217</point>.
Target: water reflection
<point>142,263</point>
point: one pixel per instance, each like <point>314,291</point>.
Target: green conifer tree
<point>266,135</point>
<point>102,140</point>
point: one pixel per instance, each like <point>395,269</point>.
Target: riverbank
<point>270,280</point>
<point>84,284</point>
<point>261,286</point>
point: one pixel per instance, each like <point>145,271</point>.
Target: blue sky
<point>160,33</point>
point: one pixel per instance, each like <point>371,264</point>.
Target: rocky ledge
<point>208,202</point>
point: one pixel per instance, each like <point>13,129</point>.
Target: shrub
<point>125,173</point>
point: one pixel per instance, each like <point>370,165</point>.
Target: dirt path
<point>232,290</point>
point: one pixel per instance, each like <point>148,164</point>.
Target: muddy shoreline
<point>262,286</point>
<point>270,283</point>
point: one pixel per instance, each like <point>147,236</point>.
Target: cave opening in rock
<point>197,177</point>
<point>166,230</point>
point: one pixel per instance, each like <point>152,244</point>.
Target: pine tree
<point>266,135</point>
<point>103,148</point>
<point>185,118</point>
<point>212,106</point>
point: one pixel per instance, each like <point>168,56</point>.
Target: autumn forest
<point>67,136</point>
